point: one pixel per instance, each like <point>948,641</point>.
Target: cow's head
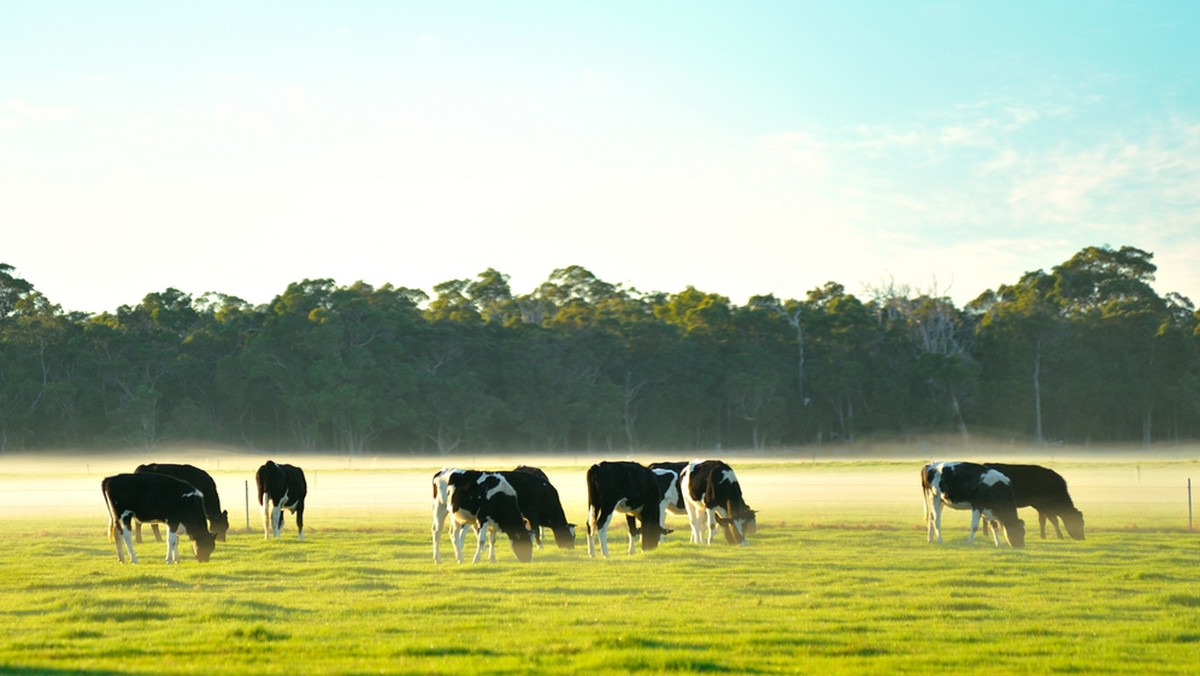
<point>1014,532</point>
<point>203,544</point>
<point>522,545</point>
<point>565,537</point>
<point>652,534</point>
<point>220,525</point>
<point>1073,520</point>
<point>737,527</point>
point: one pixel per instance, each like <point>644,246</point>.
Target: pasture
<point>838,579</point>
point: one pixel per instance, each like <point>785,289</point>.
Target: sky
<point>739,148</point>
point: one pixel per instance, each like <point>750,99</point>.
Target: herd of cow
<point>522,502</point>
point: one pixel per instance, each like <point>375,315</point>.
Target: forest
<point>1087,353</point>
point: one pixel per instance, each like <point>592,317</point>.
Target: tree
<point>941,336</point>
<point>1021,330</point>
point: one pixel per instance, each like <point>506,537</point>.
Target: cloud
<point>16,113</point>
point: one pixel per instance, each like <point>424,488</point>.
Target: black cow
<point>713,497</point>
<point>487,502</point>
<point>280,487</point>
<point>156,498</point>
<point>966,485</point>
<point>218,520</point>
<point>540,505</point>
<point>1046,491</point>
<point>629,488</point>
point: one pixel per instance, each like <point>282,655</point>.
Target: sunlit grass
<point>815,592</point>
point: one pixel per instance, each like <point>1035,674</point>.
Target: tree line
<point>1085,353</point>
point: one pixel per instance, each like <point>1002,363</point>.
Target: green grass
<point>835,591</point>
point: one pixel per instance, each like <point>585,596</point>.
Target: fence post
<point>247,485</point>
<point>1189,503</point>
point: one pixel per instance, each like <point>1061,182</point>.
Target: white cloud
<point>15,113</point>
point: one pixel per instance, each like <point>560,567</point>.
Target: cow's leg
<point>117,534</point>
<point>598,520</point>
<point>633,533</point>
<point>694,520</point>
<point>492,532</point>
<point>277,520</point>
<point>300,519</point>
<point>266,516</point>
<point>592,527</point>
<point>172,546</point>
<point>128,537</point>
<point>995,527</point>
<point>709,525</point>
<point>937,517</point>
<point>928,517</point>
<point>480,536</point>
<point>439,521</point>
<point>974,526</point>
<point>458,532</point>
<point>1053,519</point>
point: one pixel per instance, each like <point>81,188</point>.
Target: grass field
<point>838,579</point>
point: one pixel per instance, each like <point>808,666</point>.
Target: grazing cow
<point>713,497</point>
<point>156,498</point>
<point>218,520</point>
<point>487,502</point>
<point>966,485</point>
<point>629,488</point>
<point>540,505</point>
<point>280,487</point>
<point>673,491</point>
<point>1046,491</point>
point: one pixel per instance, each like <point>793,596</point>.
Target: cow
<point>487,502</point>
<point>218,520</point>
<point>156,498</point>
<point>713,496</point>
<point>985,491</point>
<point>632,489</point>
<point>673,491</point>
<point>540,505</point>
<point>280,487</point>
<point>1046,491</point>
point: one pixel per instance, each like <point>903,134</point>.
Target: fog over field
<point>825,486</point>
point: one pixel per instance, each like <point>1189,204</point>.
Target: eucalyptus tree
<point>138,351</point>
<point>1107,296</point>
<point>36,392</point>
<point>842,340</point>
<point>941,337</point>
<point>692,407</point>
<point>1022,334</point>
<point>451,403</point>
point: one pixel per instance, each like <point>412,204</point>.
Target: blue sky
<point>741,148</point>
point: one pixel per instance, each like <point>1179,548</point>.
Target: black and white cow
<point>280,487</point>
<point>672,491</point>
<point>540,505</point>
<point>218,520</point>
<point>1046,491</point>
<point>632,489</point>
<point>156,498</point>
<point>966,485</point>
<point>713,497</point>
<point>487,502</point>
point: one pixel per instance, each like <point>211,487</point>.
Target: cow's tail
<point>592,496</point>
<point>258,483</point>
<point>926,490</point>
<point>112,513</point>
